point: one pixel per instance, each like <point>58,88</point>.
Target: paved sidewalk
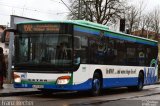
<point>9,90</point>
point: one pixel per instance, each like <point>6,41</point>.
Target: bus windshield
<point>44,49</point>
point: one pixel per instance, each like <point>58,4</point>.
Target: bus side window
<point>131,53</point>
<point>121,52</point>
<point>93,50</point>
<point>141,55</point>
<point>112,52</point>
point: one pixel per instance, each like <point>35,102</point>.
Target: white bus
<point>79,55</point>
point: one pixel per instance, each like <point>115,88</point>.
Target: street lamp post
<point>88,5</point>
<point>79,9</point>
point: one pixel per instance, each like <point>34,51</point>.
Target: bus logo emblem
<point>24,76</point>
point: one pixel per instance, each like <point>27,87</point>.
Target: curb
<point>19,93</point>
<point>157,83</point>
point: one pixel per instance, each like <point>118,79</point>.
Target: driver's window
<point>24,48</point>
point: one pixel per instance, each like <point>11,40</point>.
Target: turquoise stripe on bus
<point>112,35</point>
<point>87,30</point>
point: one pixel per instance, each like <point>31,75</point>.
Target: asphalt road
<point>150,96</point>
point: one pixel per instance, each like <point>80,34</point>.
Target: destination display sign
<point>39,28</point>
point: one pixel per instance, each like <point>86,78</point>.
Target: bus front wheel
<point>96,84</point>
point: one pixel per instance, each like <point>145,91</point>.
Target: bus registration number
<point>38,86</point>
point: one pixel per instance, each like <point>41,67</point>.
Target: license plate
<point>37,86</point>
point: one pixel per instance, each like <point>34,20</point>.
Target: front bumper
<point>82,86</point>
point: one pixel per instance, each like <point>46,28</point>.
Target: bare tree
<point>134,16</point>
<point>156,22</point>
<point>131,16</point>
<point>145,24</point>
<point>74,14</point>
<point>141,16</point>
<point>100,11</point>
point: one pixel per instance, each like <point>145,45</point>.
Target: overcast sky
<point>47,9</point>
<point>37,9</point>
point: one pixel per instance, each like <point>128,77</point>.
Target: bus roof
<point>89,25</point>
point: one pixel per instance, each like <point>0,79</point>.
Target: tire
<point>96,85</point>
<point>140,84</point>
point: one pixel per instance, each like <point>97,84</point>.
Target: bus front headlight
<point>17,78</point>
<point>63,80</point>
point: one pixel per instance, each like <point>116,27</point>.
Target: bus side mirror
<point>5,35</point>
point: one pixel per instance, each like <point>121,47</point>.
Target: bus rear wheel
<point>96,84</point>
<point>140,82</point>
<point>140,85</point>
